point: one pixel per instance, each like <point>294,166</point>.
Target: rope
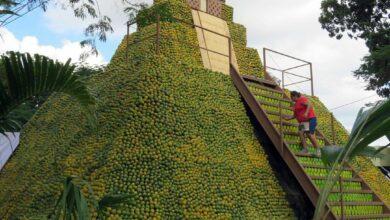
<point>348,104</point>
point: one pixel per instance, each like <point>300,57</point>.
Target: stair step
<point>353,191</point>
<point>265,82</point>
<point>286,123</point>
<point>344,179</point>
<point>374,216</point>
<point>307,155</point>
<point>274,105</point>
<point>274,97</point>
<point>322,167</point>
<point>297,143</point>
<point>292,133</point>
<point>276,113</point>
<point>296,146</point>
<point>356,203</point>
<point>259,86</point>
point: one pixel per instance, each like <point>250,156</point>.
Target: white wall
<point>8,145</point>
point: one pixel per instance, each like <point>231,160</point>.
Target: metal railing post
<point>127,42</point>
<point>283,80</point>
<point>341,196</point>
<point>333,131</point>
<point>311,79</point>
<point>158,30</point>
<point>264,60</point>
<point>281,126</point>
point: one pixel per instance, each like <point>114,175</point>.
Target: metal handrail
<point>158,37</point>
<point>275,136</point>
<point>285,71</point>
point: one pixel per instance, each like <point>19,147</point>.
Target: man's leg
<point>313,140</point>
<point>312,135</point>
<point>303,141</point>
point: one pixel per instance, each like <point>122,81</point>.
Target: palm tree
<point>24,78</point>
<point>370,125</point>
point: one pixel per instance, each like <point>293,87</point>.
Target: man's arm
<point>308,107</point>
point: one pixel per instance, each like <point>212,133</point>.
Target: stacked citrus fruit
<point>171,134</point>
<point>248,59</point>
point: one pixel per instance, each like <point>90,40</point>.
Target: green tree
<point>368,20</point>
<point>89,9</point>
<point>85,71</point>
<point>5,6</point>
<point>369,126</point>
<point>24,80</point>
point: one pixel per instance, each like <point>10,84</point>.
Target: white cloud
<point>31,45</point>
<point>292,27</point>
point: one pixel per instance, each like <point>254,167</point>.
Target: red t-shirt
<point>300,109</point>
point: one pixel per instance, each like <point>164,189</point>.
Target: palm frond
<point>27,77</point>
<point>70,203</point>
<point>369,126</point>
<point>329,154</point>
<point>73,205</point>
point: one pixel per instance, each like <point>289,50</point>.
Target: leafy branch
<point>370,125</point>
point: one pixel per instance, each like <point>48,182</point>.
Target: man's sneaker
<point>304,151</point>
<point>318,153</point>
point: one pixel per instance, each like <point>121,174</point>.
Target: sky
<point>287,26</point>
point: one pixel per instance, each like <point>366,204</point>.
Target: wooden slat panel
<point>214,7</point>
<point>194,4</point>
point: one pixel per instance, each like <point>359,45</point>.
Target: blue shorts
<point>309,126</point>
<point>312,125</point>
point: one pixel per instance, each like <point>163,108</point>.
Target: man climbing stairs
<point>269,103</point>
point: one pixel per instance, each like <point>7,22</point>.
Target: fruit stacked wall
<point>171,134</point>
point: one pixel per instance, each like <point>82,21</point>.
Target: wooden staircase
<point>268,102</point>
